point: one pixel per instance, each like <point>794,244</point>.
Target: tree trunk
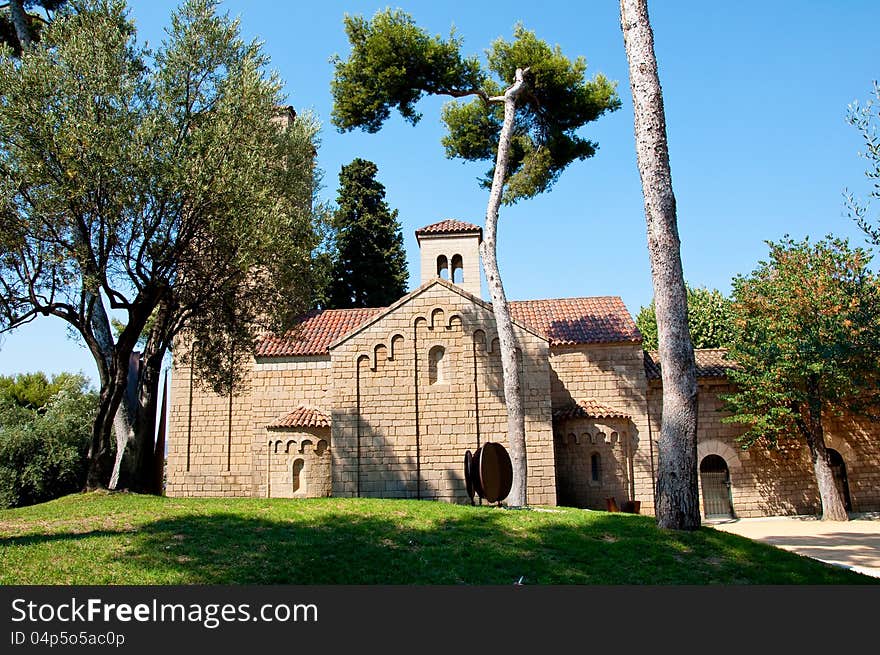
<point>516,432</point>
<point>134,468</point>
<point>100,454</point>
<point>21,23</point>
<point>833,508</point>
<point>677,504</point>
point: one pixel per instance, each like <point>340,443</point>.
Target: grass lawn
<point>105,538</point>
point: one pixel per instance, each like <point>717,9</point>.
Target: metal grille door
<point>715,478</point>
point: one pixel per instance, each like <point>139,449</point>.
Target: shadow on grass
<point>477,546</point>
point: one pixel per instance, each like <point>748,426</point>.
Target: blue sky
<point>755,93</point>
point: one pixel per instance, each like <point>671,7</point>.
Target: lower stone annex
<point>384,402</point>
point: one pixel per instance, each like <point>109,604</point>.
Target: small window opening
<point>457,269</point>
<point>595,467</point>
<point>436,365</point>
<point>296,474</point>
<point>443,267</point>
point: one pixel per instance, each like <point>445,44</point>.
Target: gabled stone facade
<point>384,402</point>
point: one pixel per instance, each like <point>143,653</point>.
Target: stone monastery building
<point>384,402</point>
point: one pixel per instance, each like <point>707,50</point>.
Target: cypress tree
<point>369,267</point>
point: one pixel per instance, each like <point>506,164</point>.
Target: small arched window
<point>457,269</point>
<point>595,467</point>
<point>296,470</point>
<point>436,365</point>
<point>443,267</point>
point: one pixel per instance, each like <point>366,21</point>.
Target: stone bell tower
<point>451,249</point>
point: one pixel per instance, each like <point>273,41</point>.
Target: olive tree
<point>161,187</point>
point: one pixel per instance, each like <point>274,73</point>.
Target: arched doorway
<point>715,478</point>
<point>838,470</point>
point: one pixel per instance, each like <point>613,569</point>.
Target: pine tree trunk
<point>516,432</point>
<point>20,21</point>
<point>677,499</point>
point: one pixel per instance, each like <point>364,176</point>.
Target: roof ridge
<point>567,298</point>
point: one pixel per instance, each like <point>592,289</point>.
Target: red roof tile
<point>450,226</point>
<point>563,321</point>
<point>601,319</point>
<point>711,363</point>
<point>587,408</point>
<point>302,417</point>
<point>318,329</point>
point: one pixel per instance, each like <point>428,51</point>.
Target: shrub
<point>44,442</point>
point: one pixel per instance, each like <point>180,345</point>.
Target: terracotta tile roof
<point>318,329</point>
<point>601,319</point>
<point>711,363</point>
<point>587,408</point>
<point>302,417</point>
<point>449,226</point>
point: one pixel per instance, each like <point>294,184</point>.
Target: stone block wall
<point>857,439</point>
<point>614,375</point>
<point>577,442</point>
<point>780,481</point>
<point>298,462</point>
<point>403,419</point>
<point>280,385</point>
<point>209,439</point>
<point>465,246</point>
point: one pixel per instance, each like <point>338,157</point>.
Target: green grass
<point>129,539</point>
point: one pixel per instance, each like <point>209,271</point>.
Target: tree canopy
<point>807,338</point>
<point>369,263</point>
<point>708,319</point>
<point>866,119</point>
<point>170,184</point>
<point>394,63</point>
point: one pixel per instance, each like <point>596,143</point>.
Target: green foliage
<point>33,391</point>
<point>45,428</point>
<point>170,182</point>
<point>866,119</point>
<point>806,334</point>
<point>708,319</point>
<point>369,267</point>
<point>393,63</point>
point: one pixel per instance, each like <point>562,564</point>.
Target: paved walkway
<point>853,544</point>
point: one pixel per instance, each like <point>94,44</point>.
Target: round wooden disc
<point>475,472</point>
<point>468,483</point>
<point>496,472</point>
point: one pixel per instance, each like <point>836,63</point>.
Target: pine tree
<point>369,267</point>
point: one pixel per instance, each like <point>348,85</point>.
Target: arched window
<point>296,470</point>
<point>436,365</point>
<point>457,269</point>
<point>443,267</point>
<point>595,467</point>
